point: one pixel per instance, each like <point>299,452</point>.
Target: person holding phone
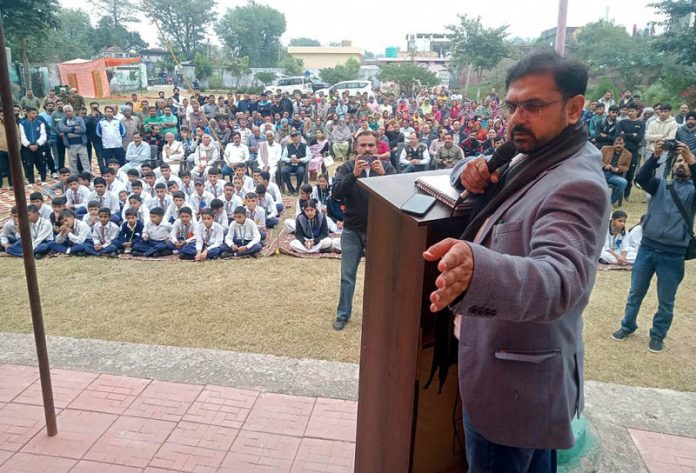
<point>355,201</point>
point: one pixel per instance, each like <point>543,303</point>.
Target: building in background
<point>318,57</point>
<point>548,38</point>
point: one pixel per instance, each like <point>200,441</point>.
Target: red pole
<point>561,27</point>
<point>24,230</point>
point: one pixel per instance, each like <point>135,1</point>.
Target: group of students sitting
<point>153,213</point>
<point>621,245</point>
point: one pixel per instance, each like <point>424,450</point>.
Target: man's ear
<point>575,108</point>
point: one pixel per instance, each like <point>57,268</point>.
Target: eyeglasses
<point>527,110</point>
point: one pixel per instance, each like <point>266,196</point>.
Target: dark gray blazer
<point>521,349</point>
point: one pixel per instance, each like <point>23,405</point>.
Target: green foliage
<point>407,75</point>
<point>476,45</point>
<point>679,37</point>
<point>166,63</point>
<point>304,42</point>
<point>252,30</point>
<point>600,88</point>
<point>249,90</point>
<point>348,71</point>
<point>236,66</point>
<point>658,92</point>
<point>606,46</point>
<point>182,22</point>
<point>204,66</point>
<point>265,77</point>
<point>107,34</point>
<point>120,12</point>
<point>73,38</point>
<point>290,65</point>
<point>29,21</point>
<point>215,82</point>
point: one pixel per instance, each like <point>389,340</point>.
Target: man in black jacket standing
<point>354,237</point>
<point>632,130</point>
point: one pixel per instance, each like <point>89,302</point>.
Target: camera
<point>369,158</point>
<point>669,146</point>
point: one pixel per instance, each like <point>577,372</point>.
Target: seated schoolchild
<point>57,205</point>
<point>635,235</point>
<point>239,190</point>
<point>219,215</point>
<point>105,198</point>
<point>208,242</point>
<point>256,214</point>
<point>92,215</point>
<point>9,233</point>
<point>131,231</point>
<point>186,185</point>
<point>312,232</point>
<point>178,203</point>
<point>72,235</point>
<point>142,212</point>
<point>302,200</point>
<point>231,201</point>
<point>76,196</point>
<point>85,179</point>
<point>201,198</point>
<point>41,235</point>
<point>266,202</point>
<point>104,236</point>
<point>215,184</point>
<point>161,199</point>
<point>327,205</point>
<point>155,236</point>
<point>243,238</point>
<point>616,245</point>
<point>183,231</point>
<point>264,177</point>
<point>37,199</point>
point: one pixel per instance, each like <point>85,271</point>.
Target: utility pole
<point>561,26</point>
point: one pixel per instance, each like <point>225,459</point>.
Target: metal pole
<point>561,26</point>
<point>24,230</point>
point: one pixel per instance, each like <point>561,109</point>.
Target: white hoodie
<point>658,130</point>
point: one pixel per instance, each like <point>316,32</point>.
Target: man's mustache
<point>521,129</point>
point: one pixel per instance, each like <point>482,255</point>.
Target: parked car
<point>353,87</point>
<point>292,85</point>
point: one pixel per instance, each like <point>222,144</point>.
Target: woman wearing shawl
<point>340,139</point>
<point>206,156</point>
<point>317,147</point>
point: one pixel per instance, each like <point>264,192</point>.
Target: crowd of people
<point>162,152</point>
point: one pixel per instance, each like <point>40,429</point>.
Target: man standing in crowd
<point>663,128</point>
<point>4,154</point>
<point>111,132</point>
<point>518,298</point>
<point>683,111</point>
<point>74,133</point>
<point>355,200</point>
<point>666,236</point>
<point>30,101</point>
<point>632,130</point>
<point>33,136</point>
<point>687,132</point>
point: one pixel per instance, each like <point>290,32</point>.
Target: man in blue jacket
<point>662,250</point>
<point>33,136</point>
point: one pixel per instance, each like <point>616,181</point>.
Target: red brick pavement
<point>118,424</point>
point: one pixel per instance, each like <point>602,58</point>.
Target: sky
<point>374,25</point>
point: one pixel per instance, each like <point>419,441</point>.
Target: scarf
<point>317,148</point>
<point>341,133</point>
<point>514,178</point>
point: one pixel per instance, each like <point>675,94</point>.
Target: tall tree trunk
<point>468,78</point>
<point>25,60</point>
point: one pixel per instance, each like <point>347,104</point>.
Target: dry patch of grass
<point>285,306</point>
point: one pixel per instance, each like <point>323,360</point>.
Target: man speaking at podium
<point>522,274</point>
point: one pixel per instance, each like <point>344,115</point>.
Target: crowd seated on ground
<point>174,175</point>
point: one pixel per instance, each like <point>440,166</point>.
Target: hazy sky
<point>374,25</point>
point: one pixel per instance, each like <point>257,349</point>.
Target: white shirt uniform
<point>143,212</point>
<point>162,203</point>
<point>248,231</point>
<point>173,211</point>
<point>186,233</point>
<point>235,154</point>
<point>157,232</point>
<point>108,200</point>
<point>195,199</point>
<point>41,231</point>
<point>104,235</point>
<point>216,190</point>
<point>231,204</point>
<point>8,230</point>
<point>78,234</point>
<point>78,198</point>
<point>269,205</point>
<point>116,187</point>
<point>209,238</point>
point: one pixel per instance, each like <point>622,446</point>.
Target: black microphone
<point>501,157</point>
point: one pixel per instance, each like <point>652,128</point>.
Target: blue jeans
<point>619,184</point>
<point>227,171</point>
<point>298,170</point>
<point>414,168</point>
<point>352,247</point>
<point>484,456</point>
<point>669,268</point>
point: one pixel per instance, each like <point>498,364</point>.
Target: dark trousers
<point>59,153</point>
<point>48,156</point>
<point>5,168</point>
<point>149,247</point>
<point>630,174</point>
<point>484,456</point>
<point>33,159</point>
<point>352,248</point>
<point>113,153</point>
<point>91,250</point>
<point>189,251</point>
<point>298,170</point>
<point>99,153</point>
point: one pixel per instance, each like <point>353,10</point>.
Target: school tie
<point>162,203</point>
<point>201,205</point>
<point>103,235</point>
<point>101,202</point>
<point>152,192</point>
<point>206,241</point>
<point>215,191</point>
<point>76,197</point>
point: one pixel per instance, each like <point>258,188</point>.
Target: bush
<point>215,82</point>
<point>601,88</point>
<point>249,90</point>
<point>659,93</point>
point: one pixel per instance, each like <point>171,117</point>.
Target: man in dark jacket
<point>633,130</point>
<point>355,200</point>
<point>666,236</point>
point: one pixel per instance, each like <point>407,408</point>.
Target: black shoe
<point>113,254</point>
<point>166,252</point>
<point>339,324</point>
<point>620,335</point>
<point>656,346</point>
<point>326,250</point>
<point>226,255</point>
<point>38,256</point>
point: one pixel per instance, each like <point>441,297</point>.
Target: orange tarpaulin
<point>88,77</point>
<point>120,61</point>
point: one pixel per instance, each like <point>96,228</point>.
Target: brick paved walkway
<point>663,453</point>
<point>118,424</point>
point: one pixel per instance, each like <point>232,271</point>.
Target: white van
<point>353,87</point>
<point>292,85</point>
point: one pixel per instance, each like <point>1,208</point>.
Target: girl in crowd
<point>616,244</point>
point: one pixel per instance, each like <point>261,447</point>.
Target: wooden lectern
<point>403,427</point>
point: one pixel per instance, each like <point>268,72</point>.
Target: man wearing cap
<point>295,159</point>
<point>76,100</point>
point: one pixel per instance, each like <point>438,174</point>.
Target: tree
<point>73,38</point>
<point>120,11</point>
<point>348,71</point>
<point>253,30</point>
<point>679,37</point>
<point>237,66</point>
<point>107,34</point>
<point>290,65</point>
<point>28,20</point>
<point>203,65</point>
<point>474,45</point>
<point>304,42</point>
<point>265,77</point>
<point>182,22</point>
<point>407,75</point>
<point>609,50</point>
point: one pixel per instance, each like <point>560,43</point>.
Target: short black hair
<point>570,74</point>
<point>240,211</point>
<point>216,204</point>
<point>36,196</point>
<point>157,211</point>
<point>72,179</point>
<point>32,209</point>
<point>99,181</point>
<point>666,106</point>
<point>105,210</point>
<point>265,175</point>
<point>306,188</point>
<point>133,172</point>
<point>633,106</point>
<point>59,201</point>
<point>178,195</point>
<point>135,197</point>
<point>161,185</point>
<point>260,189</point>
<point>93,204</point>
<point>208,211</point>
<point>185,210</point>
<point>614,108</point>
<point>131,212</point>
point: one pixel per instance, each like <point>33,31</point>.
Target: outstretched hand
<point>456,268</point>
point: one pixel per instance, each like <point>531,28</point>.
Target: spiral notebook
<point>439,187</point>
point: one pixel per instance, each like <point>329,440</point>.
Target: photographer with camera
<point>667,235</point>
<point>355,200</point>
<point>664,127</point>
